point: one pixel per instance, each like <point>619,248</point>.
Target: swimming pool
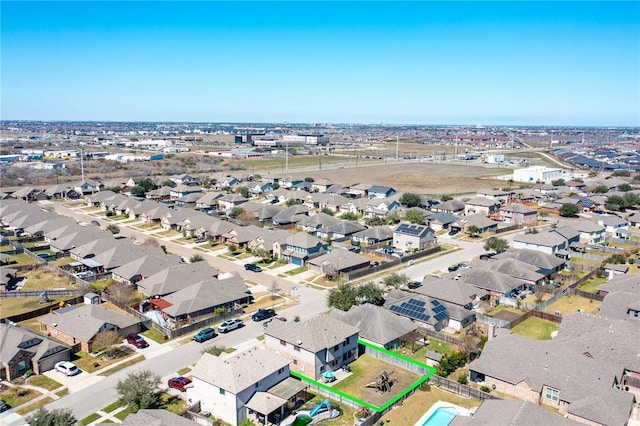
<point>442,416</point>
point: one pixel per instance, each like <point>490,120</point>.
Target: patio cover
<point>265,403</point>
<point>89,263</point>
<point>288,388</point>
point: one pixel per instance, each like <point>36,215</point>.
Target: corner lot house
<point>228,387</point>
<point>79,325</point>
<point>23,350</point>
<point>314,346</point>
<point>409,237</point>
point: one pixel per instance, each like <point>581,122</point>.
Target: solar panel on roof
<point>441,316</point>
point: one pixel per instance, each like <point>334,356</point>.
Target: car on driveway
<point>181,383</point>
<point>205,334</point>
<point>252,267</point>
<point>263,314</point>
<point>4,406</point>
<point>414,285</point>
<point>136,340</point>
<point>458,266</point>
<point>230,325</point>
<point>67,368</point>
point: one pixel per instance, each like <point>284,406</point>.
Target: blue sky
<point>530,63</point>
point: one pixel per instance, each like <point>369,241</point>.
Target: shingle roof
<point>382,232</point>
<point>13,336</point>
<point>315,334</point>
<point>518,208</point>
<point>376,324</point>
<point>303,240</point>
<point>239,371</point>
<point>204,295</point>
<point>533,257</point>
<point>487,279</point>
<point>513,413</point>
<point>340,259</point>
<point>85,321</point>
<point>155,417</point>
<point>176,277</point>
<point>448,290</point>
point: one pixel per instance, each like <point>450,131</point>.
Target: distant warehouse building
<point>306,139</point>
<point>537,174</point>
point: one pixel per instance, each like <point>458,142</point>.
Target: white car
<point>67,368</point>
<point>230,325</point>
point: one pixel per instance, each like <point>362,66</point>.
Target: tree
<point>138,191</point>
<point>375,221</point>
<point>214,350</point>
<point>139,390</point>
<point>569,210</point>
<point>292,202</point>
<point>496,244</point>
<point>309,179</point>
<point>328,211</point>
<point>473,230</point>
<point>392,218</point>
<point>235,212</point>
<point>349,216</point>
<point>625,187</point>
<point>371,293</point>
<point>414,216</point>
<point>169,183</point>
<point>196,258</point>
<point>247,218</point>
<point>445,197</point>
<point>122,293</point>
<point>471,341</point>
<point>558,182</point>
<point>395,280</point>
<point>410,200</point>
<point>274,289</point>
<point>342,297</point>
<point>113,228</point>
<point>103,340</point>
<point>601,189</point>
<point>622,173</point>
<point>615,203</point>
<point>631,199</point>
<point>243,190</point>
<point>59,417</point>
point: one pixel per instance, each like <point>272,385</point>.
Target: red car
<point>180,383</point>
<point>136,340</point>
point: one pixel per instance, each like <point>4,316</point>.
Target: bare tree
<point>104,340</point>
<point>122,293</point>
<point>274,290</point>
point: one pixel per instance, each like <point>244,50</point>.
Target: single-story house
<point>338,262</point>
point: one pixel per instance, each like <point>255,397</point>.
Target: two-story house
<point>299,247</point>
<point>481,205</point>
<point>410,237</point>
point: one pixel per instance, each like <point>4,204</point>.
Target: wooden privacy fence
<point>460,389</point>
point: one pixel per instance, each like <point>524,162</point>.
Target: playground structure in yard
<point>320,412</point>
<point>383,382</point>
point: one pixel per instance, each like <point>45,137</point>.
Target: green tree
<point>392,218</point>
<point>243,190</point>
<point>113,228</point>
<point>622,173</point>
<point>410,200</point>
<point>196,258</point>
<point>292,202</point>
<point>169,183</point>
<point>473,231</point>
<point>147,185</point>
<point>569,210</point>
<point>235,212</point>
<point>59,417</point>
<point>601,189</point>
<point>349,216</point>
<point>395,280</point>
<point>414,216</point>
<point>138,191</point>
<point>631,199</point>
<point>375,221</point>
<point>625,187</point>
<point>615,203</point>
<point>309,179</point>
<point>371,293</point>
<point>342,297</point>
<point>328,211</point>
<point>115,189</point>
<point>445,197</point>
<point>558,182</point>
<point>139,390</point>
<point>496,244</point>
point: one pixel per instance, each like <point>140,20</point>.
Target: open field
<point>420,178</point>
<point>365,370</point>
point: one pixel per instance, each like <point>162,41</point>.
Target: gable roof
<point>340,259</point>
<point>155,417</point>
<point>448,290</point>
<point>487,279</point>
<point>205,294</point>
<point>239,371</point>
<point>533,257</point>
<point>14,339</point>
<point>176,277</point>
<point>518,208</point>
<point>375,323</point>
<point>513,413</point>
<point>313,335</point>
<point>382,232</point>
<point>303,240</point>
<point>86,321</point>
<point>145,266</point>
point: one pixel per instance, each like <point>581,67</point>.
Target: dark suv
<point>252,267</point>
<point>204,334</point>
<point>136,340</point>
<point>263,314</point>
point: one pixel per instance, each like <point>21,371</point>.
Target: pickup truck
<point>263,314</point>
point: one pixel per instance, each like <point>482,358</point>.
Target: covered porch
<point>277,403</point>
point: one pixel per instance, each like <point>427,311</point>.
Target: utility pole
<point>82,164</point>
<point>397,147</point>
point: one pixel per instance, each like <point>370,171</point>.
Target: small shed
<point>433,358</point>
<point>91,299</point>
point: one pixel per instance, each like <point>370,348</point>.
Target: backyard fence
<point>622,241</point>
<point>44,310</point>
<point>444,337</point>
<point>394,360</point>
<point>460,389</point>
<point>537,314</point>
<point>484,319</point>
<point>38,293</point>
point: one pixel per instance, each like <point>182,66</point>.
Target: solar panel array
<point>417,309</point>
<point>410,229</point>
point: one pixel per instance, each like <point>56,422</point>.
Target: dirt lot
<point>420,178</point>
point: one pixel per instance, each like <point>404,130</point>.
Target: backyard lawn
<point>14,306</point>
<point>569,303</point>
<point>592,285</point>
<point>41,279</point>
<point>434,345</point>
<point>365,370</point>
<point>535,328</point>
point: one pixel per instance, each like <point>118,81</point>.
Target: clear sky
<point>573,63</point>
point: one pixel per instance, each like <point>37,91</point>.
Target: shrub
<point>425,386</point>
<point>462,379</point>
<point>486,389</point>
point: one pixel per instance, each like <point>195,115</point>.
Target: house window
<point>336,347</point>
<point>283,343</point>
<point>322,368</point>
<point>295,361</point>
<point>296,348</point>
<point>280,371</point>
<point>552,394</point>
<point>258,383</point>
<point>221,391</point>
<point>346,342</point>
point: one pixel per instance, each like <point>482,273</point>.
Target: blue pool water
<point>440,417</point>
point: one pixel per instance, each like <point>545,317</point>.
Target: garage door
<point>296,261</point>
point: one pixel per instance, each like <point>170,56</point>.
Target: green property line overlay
<point>395,399</point>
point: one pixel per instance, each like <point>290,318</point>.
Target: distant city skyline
<point>488,63</point>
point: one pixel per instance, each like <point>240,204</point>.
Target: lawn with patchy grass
<point>570,303</point>
<point>434,345</point>
<point>297,271</point>
<point>19,305</point>
<point>32,407</point>
<point>43,382</point>
<point>155,335</point>
<point>365,370</point>
<point>21,259</point>
<point>16,396</point>
<point>591,286</point>
<point>125,364</point>
<point>63,392</point>
<point>40,279</point>
<point>89,419</point>
<point>264,302</point>
<point>87,362</point>
<point>536,328</point>
<point>420,401</point>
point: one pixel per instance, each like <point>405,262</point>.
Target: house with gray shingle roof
<point>298,248</point>
<point>452,291</point>
<point>162,193</point>
<point>376,324</point>
<point>290,215</point>
<point>241,236</point>
<point>545,372</point>
<point>143,267</point>
<point>154,417</point>
<point>519,214</point>
<point>377,191</point>
<point>79,325</point>
<point>317,221</point>
<point>546,242</point>
<point>590,232</point>
<point>513,413</point>
<point>481,205</point>
<point>498,285</point>
<point>479,220</point>
<point>440,221</point>
<point>514,268</point>
<point>176,277</point>
<point>21,349</point>
<point>338,262</point>
<point>612,223</point>
<point>340,231</point>
<point>238,386</point>
<point>373,235</point>
<point>451,206</point>
<point>314,346</point>
<point>546,263</point>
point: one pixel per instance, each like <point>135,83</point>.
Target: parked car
<point>180,383</point>
<point>230,325</point>
<point>458,266</point>
<point>200,240</point>
<point>454,231</point>
<point>136,340</point>
<point>252,267</point>
<point>67,368</point>
<point>263,314</point>
<point>414,285</point>
<point>205,334</point>
<point>4,406</point>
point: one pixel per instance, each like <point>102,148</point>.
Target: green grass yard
<point>535,328</point>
